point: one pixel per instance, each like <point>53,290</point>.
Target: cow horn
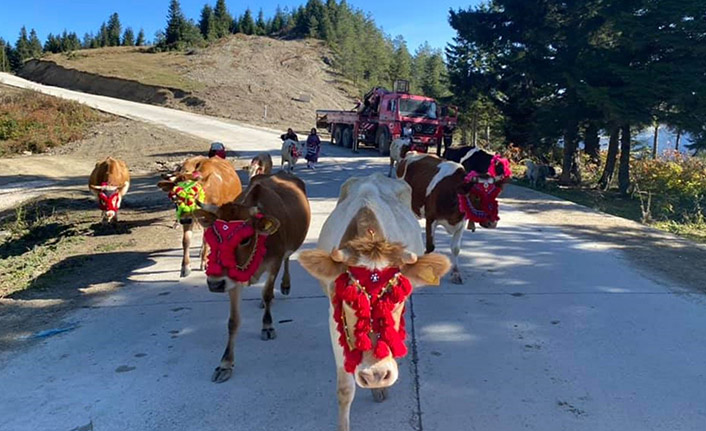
<point>210,208</point>
<point>338,255</point>
<point>409,258</point>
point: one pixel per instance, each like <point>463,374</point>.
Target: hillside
<point>238,77</point>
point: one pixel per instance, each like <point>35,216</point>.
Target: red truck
<point>380,118</point>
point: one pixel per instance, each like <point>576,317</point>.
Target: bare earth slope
<point>252,79</point>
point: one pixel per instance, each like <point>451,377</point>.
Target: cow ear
<point>267,225</point>
<point>205,218</point>
<point>427,270</point>
<point>165,185</point>
<point>320,265</point>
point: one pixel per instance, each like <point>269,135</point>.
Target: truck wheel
<point>337,132</point>
<point>383,142</point>
<point>347,137</point>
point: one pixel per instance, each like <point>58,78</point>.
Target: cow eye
<point>246,241</point>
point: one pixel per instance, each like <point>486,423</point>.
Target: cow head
<point>256,168</point>
<point>478,193</point>
<point>236,236</point>
<point>109,201</point>
<point>371,282</point>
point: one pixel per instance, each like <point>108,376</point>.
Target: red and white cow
<point>291,152</point>
<point>445,193</point>
<point>368,257</point>
<point>109,181</point>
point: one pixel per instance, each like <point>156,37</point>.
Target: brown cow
<point>260,164</point>
<point>249,237</point>
<point>436,187</point>
<point>109,181</point>
<point>220,184</point>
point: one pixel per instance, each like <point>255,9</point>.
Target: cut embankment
<point>51,73</point>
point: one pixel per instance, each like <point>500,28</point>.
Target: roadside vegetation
<point>30,121</point>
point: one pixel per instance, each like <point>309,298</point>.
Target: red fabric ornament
<point>487,194</point>
<point>373,295</point>
<point>108,202</point>
<point>294,151</point>
<point>223,239</point>
<point>507,172</point>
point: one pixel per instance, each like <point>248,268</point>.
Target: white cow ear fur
<point>427,270</point>
<point>320,264</point>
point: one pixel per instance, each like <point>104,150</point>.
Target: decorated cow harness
<point>223,239</point>
<point>373,295</point>
<point>185,194</point>
<point>484,191</point>
<point>108,202</point>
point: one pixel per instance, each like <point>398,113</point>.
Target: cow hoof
<point>221,374</point>
<point>185,271</point>
<point>261,304</point>
<point>456,278</point>
<point>285,289</point>
<point>379,395</point>
<point>430,249</point>
<point>268,334</point>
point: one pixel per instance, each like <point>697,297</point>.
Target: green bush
<point>677,185</point>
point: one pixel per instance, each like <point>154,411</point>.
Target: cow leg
<point>430,225</point>
<point>225,369</point>
<point>457,237</point>
<point>345,391</point>
<point>268,292</point>
<point>286,284</point>
<point>203,255</point>
<point>392,164</point>
<point>187,230</point>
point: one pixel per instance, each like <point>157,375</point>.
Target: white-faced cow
<point>261,164</point>
<point>211,180</point>
<point>291,152</point>
<point>109,181</point>
<point>367,259</point>
<point>445,193</point>
<point>250,237</point>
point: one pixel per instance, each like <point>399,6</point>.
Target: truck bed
<point>326,117</point>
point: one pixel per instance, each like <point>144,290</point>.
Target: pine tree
<point>277,21</point>
<point>129,37</point>
<point>222,18</point>
<point>114,30</point>
<point>207,23</point>
<point>4,57</point>
<point>247,25</point>
<point>140,38</point>
<point>22,47</point>
<point>176,23</point>
<point>35,46</point>
<point>260,25</point>
<point>103,35</point>
<point>52,44</point>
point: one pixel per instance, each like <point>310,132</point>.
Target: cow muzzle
<point>216,286</point>
<point>380,374</point>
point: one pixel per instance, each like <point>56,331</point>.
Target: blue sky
<point>416,20</point>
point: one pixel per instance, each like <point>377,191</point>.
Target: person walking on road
<point>313,147</point>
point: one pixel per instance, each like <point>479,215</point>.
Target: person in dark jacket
<point>290,135</point>
<point>217,149</point>
<point>313,147</point>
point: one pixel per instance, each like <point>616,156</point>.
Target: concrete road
<point>549,332</point>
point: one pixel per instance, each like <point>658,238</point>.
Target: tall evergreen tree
<point>128,37</point>
<point>223,19</point>
<point>4,56</point>
<point>52,44</point>
<point>401,64</point>
<point>247,25</point>
<point>23,49</point>
<point>103,35</point>
<point>35,46</point>
<point>176,24</point>
<point>140,38</point>
<point>260,24</point>
<point>114,30</point>
<point>277,21</point>
<point>207,23</point>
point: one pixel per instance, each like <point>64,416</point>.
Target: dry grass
<point>163,69</point>
<point>34,122</point>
